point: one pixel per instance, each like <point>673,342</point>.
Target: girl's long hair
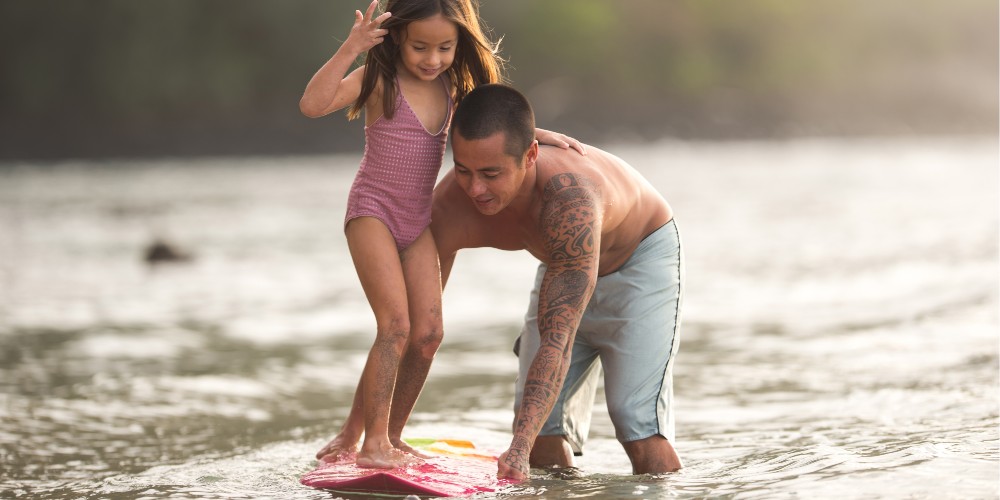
<point>477,59</point>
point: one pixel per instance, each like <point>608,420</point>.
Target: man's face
<point>491,177</point>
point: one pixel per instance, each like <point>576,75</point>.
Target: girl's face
<point>428,47</point>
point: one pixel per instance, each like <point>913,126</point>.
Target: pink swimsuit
<point>398,172</point>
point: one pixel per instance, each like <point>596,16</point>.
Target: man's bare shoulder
<point>453,218</point>
<point>447,191</point>
<point>449,200</point>
<point>558,169</point>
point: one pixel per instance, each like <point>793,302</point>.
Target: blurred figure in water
<point>608,287</point>
<point>161,251</point>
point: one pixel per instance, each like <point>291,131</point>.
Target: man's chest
<point>515,234</point>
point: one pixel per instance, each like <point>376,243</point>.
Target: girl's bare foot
<point>406,448</point>
<point>339,448</point>
<point>385,458</point>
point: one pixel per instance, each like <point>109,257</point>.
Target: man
<point>608,286</point>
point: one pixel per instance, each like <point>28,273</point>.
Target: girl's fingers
<point>368,24</point>
<point>371,9</point>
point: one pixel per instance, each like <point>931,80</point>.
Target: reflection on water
<point>840,335</point>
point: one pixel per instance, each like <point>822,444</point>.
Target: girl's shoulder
<point>374,107</point>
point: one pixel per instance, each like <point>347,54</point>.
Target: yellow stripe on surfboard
<point>460,447</point>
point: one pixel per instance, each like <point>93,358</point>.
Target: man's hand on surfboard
<point>513,464</point>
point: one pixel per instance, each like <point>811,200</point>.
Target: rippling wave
<point>839,339</point>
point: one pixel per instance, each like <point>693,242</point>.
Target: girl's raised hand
<point>366,33</point>
<point>561,141</point>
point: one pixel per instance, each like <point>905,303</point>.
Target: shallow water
<point>839,340</point>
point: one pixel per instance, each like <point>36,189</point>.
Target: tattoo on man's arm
<point>570,212</point>
<point>570,222</point>
<point>516,457</point>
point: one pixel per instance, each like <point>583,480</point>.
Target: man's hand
<point>513,464</point>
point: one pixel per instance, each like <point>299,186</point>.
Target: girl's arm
<point>563,141</point>
<point>329,90</point>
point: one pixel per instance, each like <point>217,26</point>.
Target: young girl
<point>423,56</point>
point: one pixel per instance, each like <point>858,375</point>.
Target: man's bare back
<point>630,208</point>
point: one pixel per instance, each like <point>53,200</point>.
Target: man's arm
<point>571,224</point>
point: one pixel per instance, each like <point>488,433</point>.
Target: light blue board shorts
<point>631,327</point>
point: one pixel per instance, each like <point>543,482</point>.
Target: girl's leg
<point>345,443</point>
<point>422,273</point>
<point>377,262</point>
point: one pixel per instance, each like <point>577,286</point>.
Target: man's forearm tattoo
<point>518,455</point>
<point>570,224</point>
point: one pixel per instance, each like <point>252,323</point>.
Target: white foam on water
<point>152,344</point>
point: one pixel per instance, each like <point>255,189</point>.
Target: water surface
<point>839,339</point>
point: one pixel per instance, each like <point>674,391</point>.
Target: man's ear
<point>531,155</point>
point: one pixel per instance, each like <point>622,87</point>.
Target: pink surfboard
<point>457,468</point>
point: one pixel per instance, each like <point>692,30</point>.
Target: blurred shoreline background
<point>119,78</point>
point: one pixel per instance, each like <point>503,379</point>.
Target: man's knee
<point>551,451</point>
<point>652,455</point>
